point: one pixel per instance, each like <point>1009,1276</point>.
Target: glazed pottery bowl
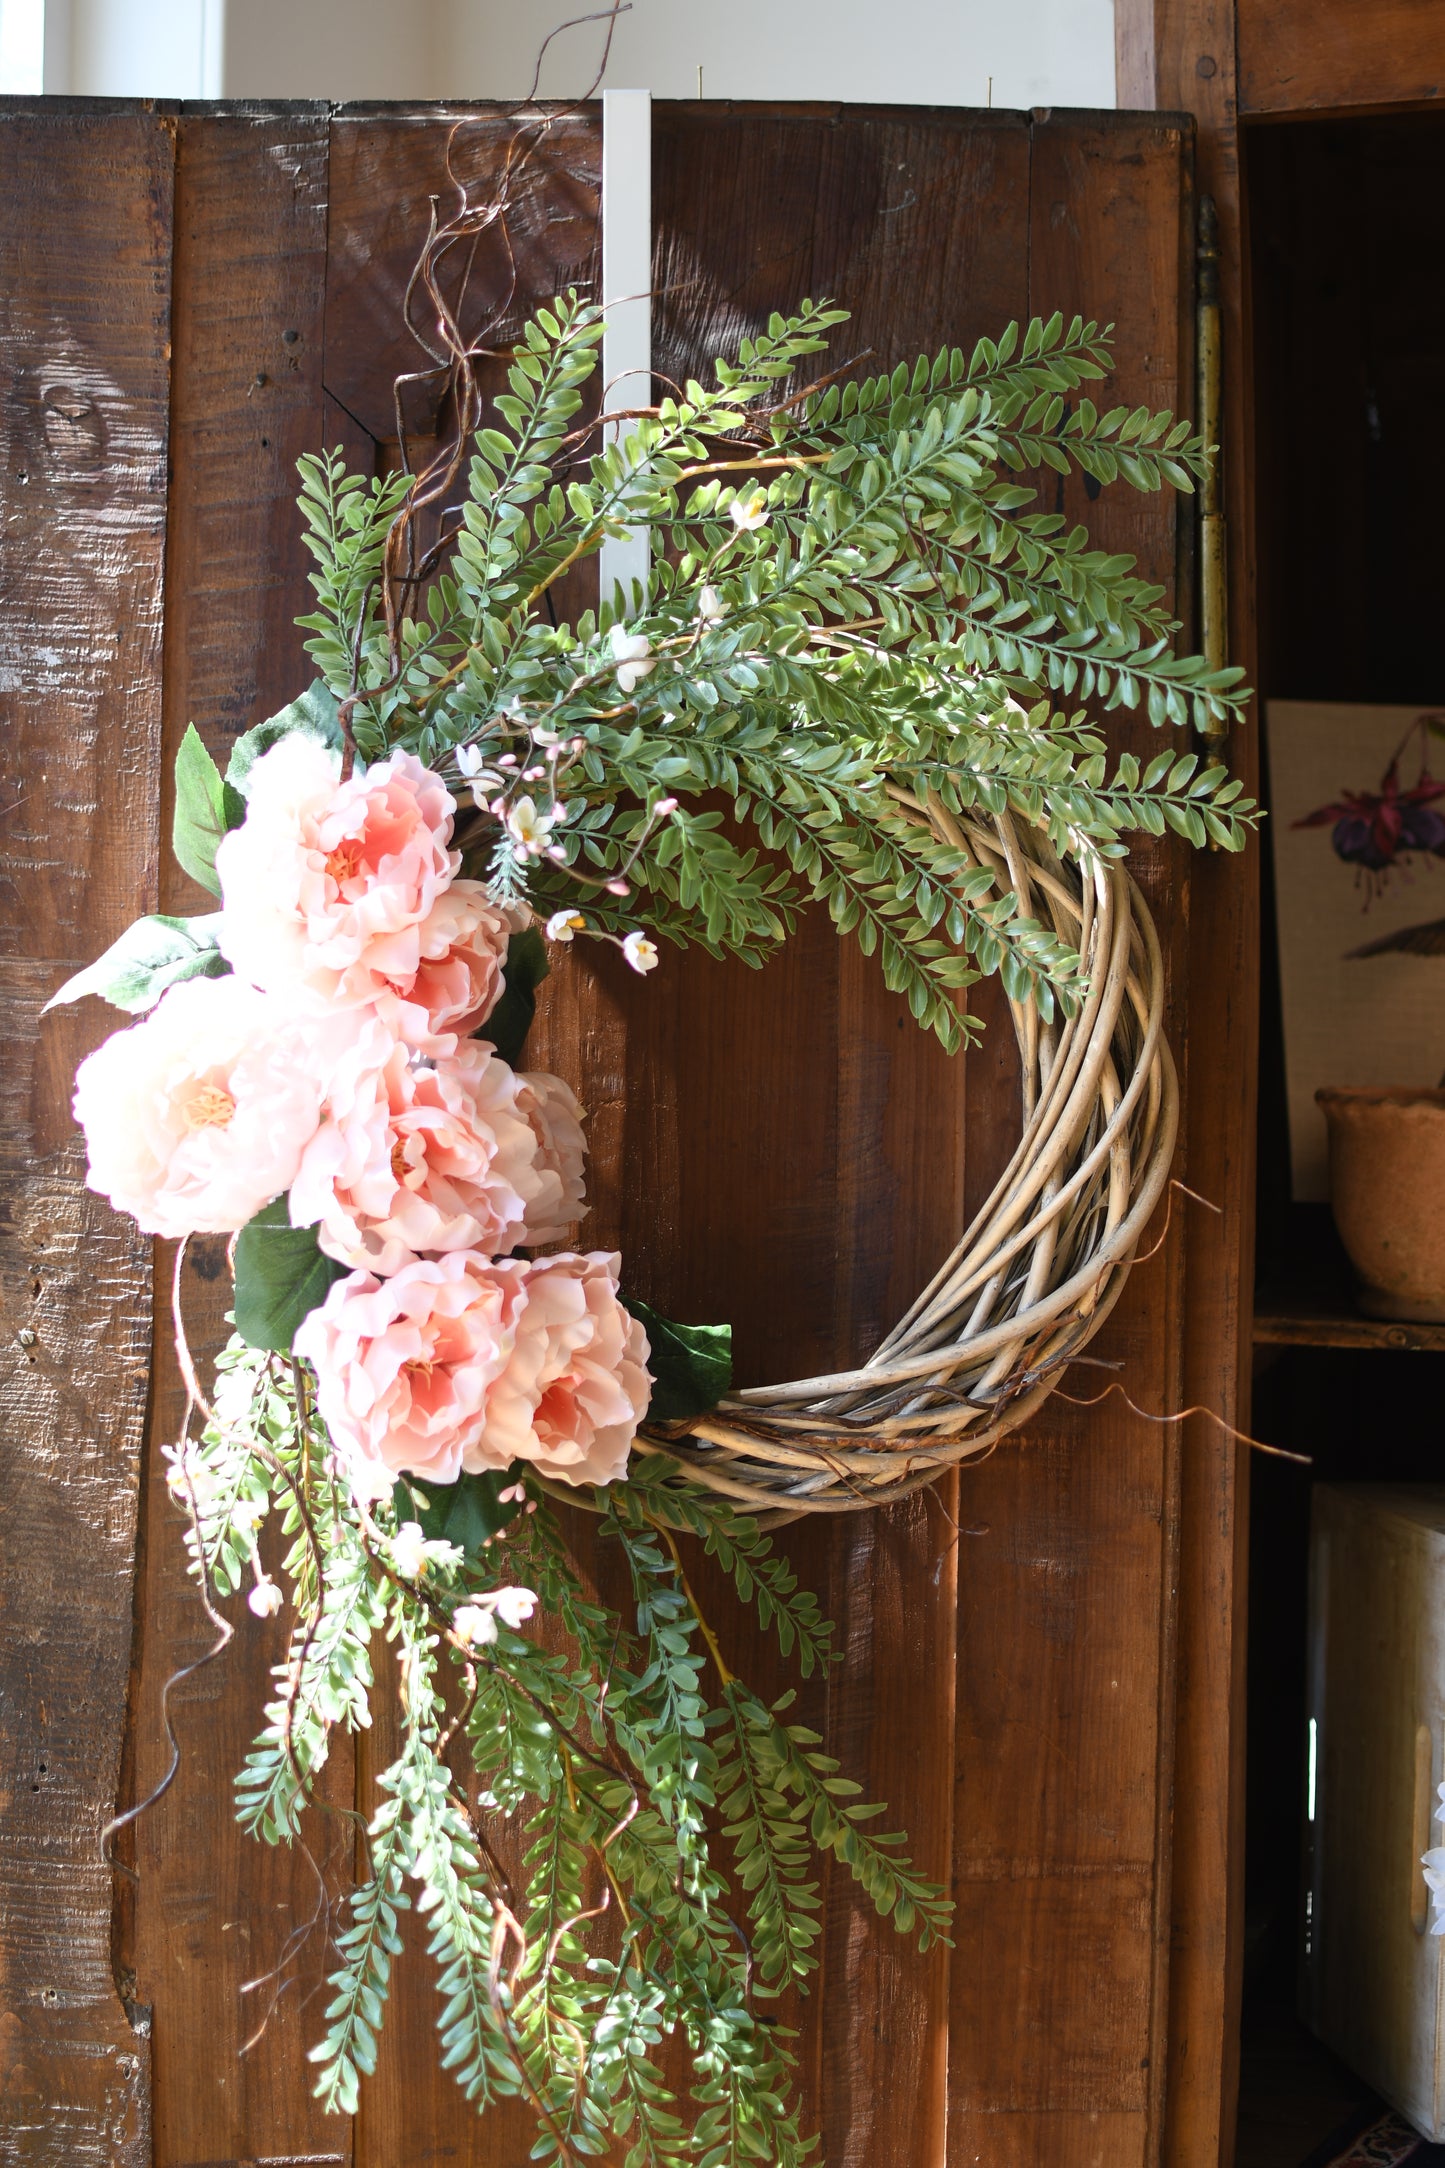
<point>1387,1190</point>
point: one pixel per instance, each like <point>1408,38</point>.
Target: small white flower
<point>750,512</point>
<point>530,827</point>
<point>265,1598</point>
<point>632,653</point>
<point>412,1554</point>
<point>640,952</point>
<point>710,606</point>
<point>514,1495</point>
<point>1433,1863</point>
<point>187,1477</point>
<point>408,1548</point>
<point>663,808</point>
<point>474,1623</point>
<point>472,767</point>
<point>514,1606</point>
<point>561,926</point>
<point>630,676</point>
<point>248,1513</point>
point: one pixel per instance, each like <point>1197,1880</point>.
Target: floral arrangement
<point>608,1836</point>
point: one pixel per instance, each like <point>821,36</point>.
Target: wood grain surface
<point>386,166</point>
<point>86,301</point>
<point>1312,55</point>
<point>1065,1676</point>
<point>1182,55</point>
<point>215,1909</point>
<point>784,1149</point>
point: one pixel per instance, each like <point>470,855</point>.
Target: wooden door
<point>785,1150</point>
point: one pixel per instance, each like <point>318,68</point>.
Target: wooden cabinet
<point>1251,72</point>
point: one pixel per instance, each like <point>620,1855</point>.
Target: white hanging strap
<point>626,290</point>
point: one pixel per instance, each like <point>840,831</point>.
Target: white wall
<point>1037,52</point>
<point>943,52</point>
<point>336,49</point>
<point>132,48</point>
<point>22,48</point>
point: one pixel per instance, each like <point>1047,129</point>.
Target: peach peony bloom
<point>416,1156</point>
<point>326,885</point>
<point>404,1366</point>
<point>457,1364</point>
<point>575,1385</point>
<point>458,980</point>
<point>551,1108</point>
<point>198,1116</point>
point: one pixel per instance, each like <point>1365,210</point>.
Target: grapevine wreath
<point>858,632</point>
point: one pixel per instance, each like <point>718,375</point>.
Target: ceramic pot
<point>1387,1190</point>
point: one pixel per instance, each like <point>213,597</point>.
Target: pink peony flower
<point>556,1119</point>
<point>457,1364</point>
<point>575,1385</point>
<point>416,1156</point>
<point>458,980</point>
<point>197,1117</point>
<point>327,885</point>
<point>403,1366</point>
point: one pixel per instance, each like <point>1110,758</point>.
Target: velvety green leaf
<point>281,1276</point>
<point>467,1512</point>
<point>313,716</point>
<point>205,809</point>
<point>691,1365</point>
<point>151,955</point>
<point>511,1019</point>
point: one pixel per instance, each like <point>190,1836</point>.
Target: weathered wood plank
<point>1297,56</point>
<point>1067,1573</point>
<point>85,310</point>
<point>1184,56</point>
<point>1079,2141</point>
<point>215,1909</point>
<point>386,165</point>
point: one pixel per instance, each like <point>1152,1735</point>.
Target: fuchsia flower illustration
<point>1380,829</point>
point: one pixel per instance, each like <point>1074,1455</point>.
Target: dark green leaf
<point>511,1019</point>
<point>313,715</point>
<point>205,809</point>
<point>467,1512</point>
<point>691,1365</point>
<point>281,1276</point>
<point>151,955</point>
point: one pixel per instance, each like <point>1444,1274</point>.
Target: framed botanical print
<point>1357,833</point>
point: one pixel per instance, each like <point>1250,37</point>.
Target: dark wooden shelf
<point>1325,1317</point>
<point>1307,1293</point>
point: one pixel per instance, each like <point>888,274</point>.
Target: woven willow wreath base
<point>1043,1263</point>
